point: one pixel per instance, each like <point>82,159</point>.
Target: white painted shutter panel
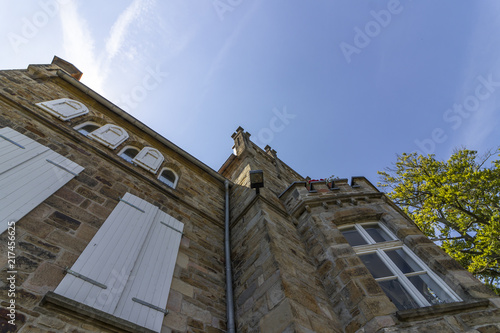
<point>28,176</point>
<point>109,135</point>
<point>133,255</point>
<point>110,256</point>
<point>152,274</point>
<point>64,108</point>
<point>16,148</point>
<point>149,158</point>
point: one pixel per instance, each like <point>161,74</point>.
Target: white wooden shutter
<point>64,108</point>
<point>149,158</point>
<point>132,255</point>
<point>109,135</point>
<point>29,174</point>
<point>147,293</point>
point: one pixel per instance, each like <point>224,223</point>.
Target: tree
<point>455,203</point>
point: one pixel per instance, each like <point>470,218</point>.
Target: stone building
<point>106,226</point>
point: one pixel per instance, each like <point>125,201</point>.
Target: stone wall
<point>52,236</point>
<point>358,301</point>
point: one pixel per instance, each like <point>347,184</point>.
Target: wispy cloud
<point>79,42</point>
<point>221,55</point>
<point>119,29</point>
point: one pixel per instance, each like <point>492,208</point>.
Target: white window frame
<point>175,174</point>
<point>78,127</point>
<point>381,247</point>
<point>125,149</point>
<point>48,106</point>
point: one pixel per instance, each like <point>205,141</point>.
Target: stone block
<point>50,322</point>
<point>182,287</point>
<point>182,260</point>
<point>89,194</point>
<point>376,306</point>
<point>63,221</point>
<point>68,195</point>
<point>278,319</point>
<point>196,312</point>
<point>274,295</point>
<point>46,278</point>
<point>35,250</point>
<point>67,241</point>
<point>175,321</point>
<point>174,301</point>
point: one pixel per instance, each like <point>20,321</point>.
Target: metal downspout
<point>229,274</point>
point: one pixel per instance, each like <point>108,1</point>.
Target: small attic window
<point>64,108</point>
<point>109,135</point>
<point>86,128</point>
<point>149,158</point>
<point>168,177</point>
<point>128,153</point>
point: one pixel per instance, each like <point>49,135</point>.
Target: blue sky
<point>336,87</point>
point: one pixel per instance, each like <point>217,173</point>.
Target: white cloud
<point>119,29</point>
<point>78,44</point>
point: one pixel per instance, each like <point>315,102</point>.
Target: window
<point>149,158</point>
<point>64,108</point>
<point>405,279</point>
<point>29,174</point>
<point>128,153</point>
<point>87,128</point>
<point>109,135</point>
<point>127,268</point>
<point>168,177</point>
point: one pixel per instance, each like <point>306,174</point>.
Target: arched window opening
<point>168,177</point>
<point>128,153</point>
<point>87,128</point>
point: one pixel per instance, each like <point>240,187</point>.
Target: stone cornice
<point>320,200</point>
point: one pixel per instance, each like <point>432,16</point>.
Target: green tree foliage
<point>455,203</point>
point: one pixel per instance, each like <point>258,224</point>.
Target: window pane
<point>353,237</point>
<point>85,130</point>
<point>429,289</point>
<point>375,265</point>
<point>398,295</point>
<point>168,177</point>
<point>377,233</point>
<point>129,154</point>
<point>404,262</point>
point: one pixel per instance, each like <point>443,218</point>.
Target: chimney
<point>67,67</point>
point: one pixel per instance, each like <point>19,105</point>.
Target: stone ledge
<point>440,310</point>
<point>88,314</point>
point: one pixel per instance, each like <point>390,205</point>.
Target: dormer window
<point>128,153</point>
<point>109,135</point>
<point>86,128</point>
<point>149,158</point>
<point>64,108</point>
<point>168,177</point>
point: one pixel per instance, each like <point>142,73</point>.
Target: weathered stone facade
<point>293,269</point>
